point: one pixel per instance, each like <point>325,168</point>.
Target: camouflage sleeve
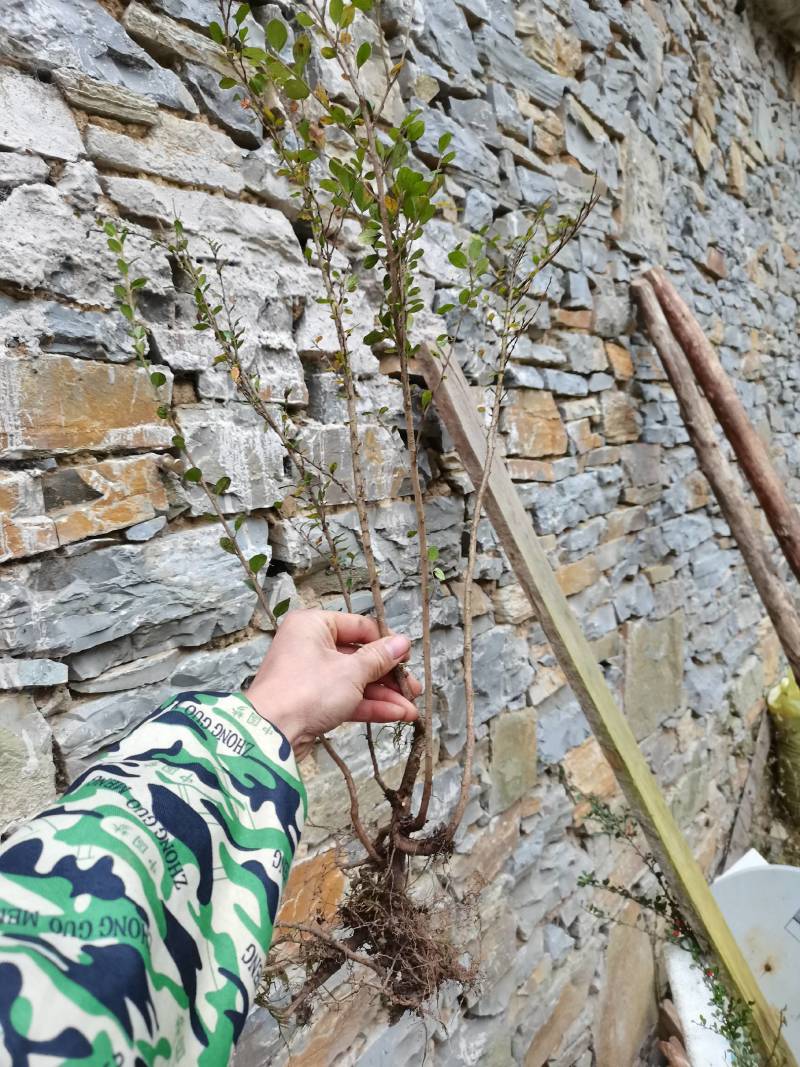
<point>135,914</point>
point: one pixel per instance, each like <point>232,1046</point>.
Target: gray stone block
<point>654,689</point>
<point>103,720</point>
<point>29,673</point>
<point>63,606</point>
<point>47,34</point>
<point>512,66</point>
<point>563,384</point>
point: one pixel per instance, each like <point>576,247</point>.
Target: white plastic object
<point>761,904</point>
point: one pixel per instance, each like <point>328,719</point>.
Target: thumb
<point>377,658</point>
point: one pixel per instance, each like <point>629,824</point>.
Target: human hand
<point>325,668</point>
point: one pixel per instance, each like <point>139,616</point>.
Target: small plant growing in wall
<point>360,177</point>
<point>730,1017</point>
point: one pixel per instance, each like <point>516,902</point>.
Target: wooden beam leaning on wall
<point>514,529</point>
<point>724,480</point>
<point>750,450</point>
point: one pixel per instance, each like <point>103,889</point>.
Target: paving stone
<point>629,979</point>
<point>41,233</point>
<point>384,461</point>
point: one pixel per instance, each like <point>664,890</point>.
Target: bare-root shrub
<point>362,175</point>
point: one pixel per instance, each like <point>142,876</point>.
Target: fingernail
<point>397,645</point>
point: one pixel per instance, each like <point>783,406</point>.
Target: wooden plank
<point>514,528</point>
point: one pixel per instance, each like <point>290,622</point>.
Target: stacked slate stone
<point>114,592</point>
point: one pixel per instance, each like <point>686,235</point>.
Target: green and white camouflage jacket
<point>136,912</point>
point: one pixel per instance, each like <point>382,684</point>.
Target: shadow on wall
<point>781,15</point>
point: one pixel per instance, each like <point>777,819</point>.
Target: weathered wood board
<point>514,528</point>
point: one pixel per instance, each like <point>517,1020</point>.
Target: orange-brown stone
<point>314,890</point>
<point>578,575</point>
<point>588,772</point>
<point>568,1007</point>
<point>59,404</point>
<point>620,359</point>
<point>583,436</point>
<point>575,320</point>
<point>531,470</point>
<point>130,491</point>
<point>533,425</point>
<point>629,981</point>
<point>24,529</point>
<point>620,418</point>
<point>40,512</point>
<point>715,263</point>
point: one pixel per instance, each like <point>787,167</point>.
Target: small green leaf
<point>178,442</point>
<point>255,563</point>
<point>227,83</point>
<point>162,412</point>
<point>433,553</point>
<point>127,311</point>
<point>363,53</point>
<point>426,398</point>
<point>304,19</point>
<point>194,474</point>
<point>222,485</point>
<point>438,573</point>
<point>411,533</point>
<point>277,34</point>
<point>415,130</point>
<point>227,545</point>
<point>114,245</point>
<point>237,525</point>
<point>216,33</point>
<point>157,378</point>
<point>444,141</point>
<point>458,258</point>
<point>242,13</point>
<point>336,10</point>
<point>281,608</point>
<point>296,90</point>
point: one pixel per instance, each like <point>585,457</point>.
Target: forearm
<point>136,913</point>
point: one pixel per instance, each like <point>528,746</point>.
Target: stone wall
<point>113,592</point>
